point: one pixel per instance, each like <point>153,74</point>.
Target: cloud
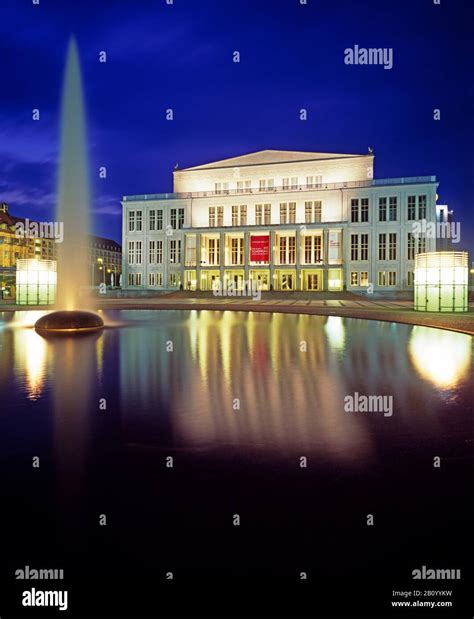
<point>107,205</point>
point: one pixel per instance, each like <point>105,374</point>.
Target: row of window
<point>268,184</point>
<point>384,278</point>
<point>286,246</point>
<point>388,209</point>
<point>155,220</point>
<point>263,212</point>
<point>356,278</point>
<point>154,279</point>
<point>155,252</point>
<point>387,246</point>
<point>286,251</point>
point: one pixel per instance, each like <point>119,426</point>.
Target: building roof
<point>100,240</point>
<point>266,157</point>
<point>6,218</point>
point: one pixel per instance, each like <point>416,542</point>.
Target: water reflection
<point>290,399</point>
<point>335,331</point>
<point>442,357</point>
<point>31,358</point>
<point>176,376</point>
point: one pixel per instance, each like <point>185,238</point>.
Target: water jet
<point>72,213</point>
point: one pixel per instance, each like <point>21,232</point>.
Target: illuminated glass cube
<point>441,282</point>
<point>36,282</point>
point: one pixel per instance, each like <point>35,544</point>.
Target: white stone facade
<point>287,220</point>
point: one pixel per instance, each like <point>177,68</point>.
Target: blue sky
<point>179,56</point>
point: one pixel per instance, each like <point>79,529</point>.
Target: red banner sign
<point>260,248</point>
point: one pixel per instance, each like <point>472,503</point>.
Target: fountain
<point>73,212</point>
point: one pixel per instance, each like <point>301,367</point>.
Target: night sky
<point>180,56</point>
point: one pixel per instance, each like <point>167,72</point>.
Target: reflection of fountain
<point>73,209</point>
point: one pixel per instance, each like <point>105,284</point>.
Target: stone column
<point>246,255</point>
<point>198,261</point>
<point>298,283</point>
<point>273,250</point>
<point>325,258</point>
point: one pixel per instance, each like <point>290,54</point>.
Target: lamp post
<point>101,268</point>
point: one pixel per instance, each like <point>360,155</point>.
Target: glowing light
<point>441,282</point>
<point>335,332</point>
<point>36,282</point>
<point>32,352</point>
<point>442,357</point>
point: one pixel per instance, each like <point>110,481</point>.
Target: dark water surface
<point>238,401</point>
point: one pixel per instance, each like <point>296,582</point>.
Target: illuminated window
<point>138,252</point>
<point>364,278</point>
<point>292,210</point>
<point>266,184</point>
<point>214,252</point>
<point>312,212</point>
<point>392,278</point>
<point>392,246</point>
<point>354,278</point>
<point>267,209</point>
<point>175,280</point>
<point>220,188</point>
<point>235,215</point>
<point>354,247</point>
<point>382,278</point>
<point>237,251</point>
<point>308,249</point>
<point>243,215</point>
<point>291,250</point>
<point>212,217</point>
<point>382,247</point>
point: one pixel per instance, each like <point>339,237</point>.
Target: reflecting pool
<point>172,421</point>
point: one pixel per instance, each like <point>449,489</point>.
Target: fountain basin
<point>74,322</point>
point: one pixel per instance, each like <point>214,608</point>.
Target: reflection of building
<point>286,220</point>
<point>105,256</point>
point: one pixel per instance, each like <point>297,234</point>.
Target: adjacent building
<point>105,259</point>
<point>105,255</point>
<point>284,220</point>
